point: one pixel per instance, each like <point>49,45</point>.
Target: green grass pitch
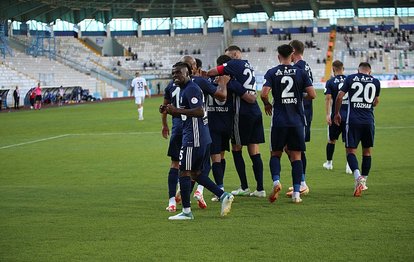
<point>89,183</point>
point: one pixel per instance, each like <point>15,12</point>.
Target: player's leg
<point>138,102</point>
<point>198,194</point>
<point>353,137</point>
<point>238,136</point>
<point>330,146</point>
<point>172,187</point>
<point>201,156</point>
<point>367,142</point>
<point>257,162</point>
<point>277,145</point>
<point>185,184</point>
<point>241,171</point>
<point>297,172</point>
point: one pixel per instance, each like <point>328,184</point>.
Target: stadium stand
<point>51,72</point>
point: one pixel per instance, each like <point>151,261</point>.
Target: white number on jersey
<point>369,93</point>
<point>211,101</point>
<point>247,84</point>
<point>286,91</point>
<point>176,94</point>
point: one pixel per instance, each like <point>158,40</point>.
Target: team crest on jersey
<point>356,79</point>
<point>336,80</point>
<point>194,100</point>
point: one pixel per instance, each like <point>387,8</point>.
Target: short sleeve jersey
<point>288,84</point>
<point>195,129</point>
<point>332,88</point>
<point>362,90</point>
<point>172,95</point>
<point>206,86</point>
<point>307,104</point>
<point>242,72</point>
<point>139,83</point>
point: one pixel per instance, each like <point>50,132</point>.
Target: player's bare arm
<point>338,103</point>
<point>221,93</point>
<point>265,98</point>
<point>310,93</point>
<point>328,105</point>
<point>193,112</point>
<point>165,130</point>
<point>213,72</point>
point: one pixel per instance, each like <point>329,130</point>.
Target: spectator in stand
<point>38,99</point>
<point>16,96</point>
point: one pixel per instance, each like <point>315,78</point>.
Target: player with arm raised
<point>196,142</point>
<point>288,85</point>
<point>363,92</point>
<point>332,88</point>
<point>248,123</point>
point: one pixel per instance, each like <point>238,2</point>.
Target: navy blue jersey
<point>195,129</point>
<point>332,88</point>
<point>307,104</point>
<point>242,71</point>
<point>362,90</point>
<point>288,83</point>
<point>220,113</point>
<point>172,95</point>
<point>206,86</point>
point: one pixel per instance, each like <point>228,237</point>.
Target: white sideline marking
<point>34,141</point>
<point>85,134</point>
<point>154,132</point>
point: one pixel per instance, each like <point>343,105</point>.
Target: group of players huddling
<point>209,109</point>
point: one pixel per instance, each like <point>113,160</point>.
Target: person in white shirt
<point>139,85</point>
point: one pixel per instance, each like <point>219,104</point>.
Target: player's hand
<point>329,120</point>
<point>203,73</point>
<point>223,80</point>
<point>162,109</point>
<point>337,119</point>
<point>165,132</point>
<point>172,110</point>
<point>268,109</point>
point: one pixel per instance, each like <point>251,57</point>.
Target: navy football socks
<point>330,148</point>
<point>274,164</point>
<point>304,161</point>
<point>185,187</point>
<point>366,165</point>
<point>172,182</point>
<point>352,161</point>
<point>218,173</point>
<point>241,168</point>
<point>207,183</point>
<point>296,174</point>
<point>258,170</point>
<point>223,165</point>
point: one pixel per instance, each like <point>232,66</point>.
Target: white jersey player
<point>140,88</point>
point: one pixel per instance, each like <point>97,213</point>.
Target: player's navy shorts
<point>219,142</point>
<point>363,133</point>
<point>247,129</point>
<point>194,158</point>
<point>292,137</point>
<point>175,146</point>
<point>334,131</point>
